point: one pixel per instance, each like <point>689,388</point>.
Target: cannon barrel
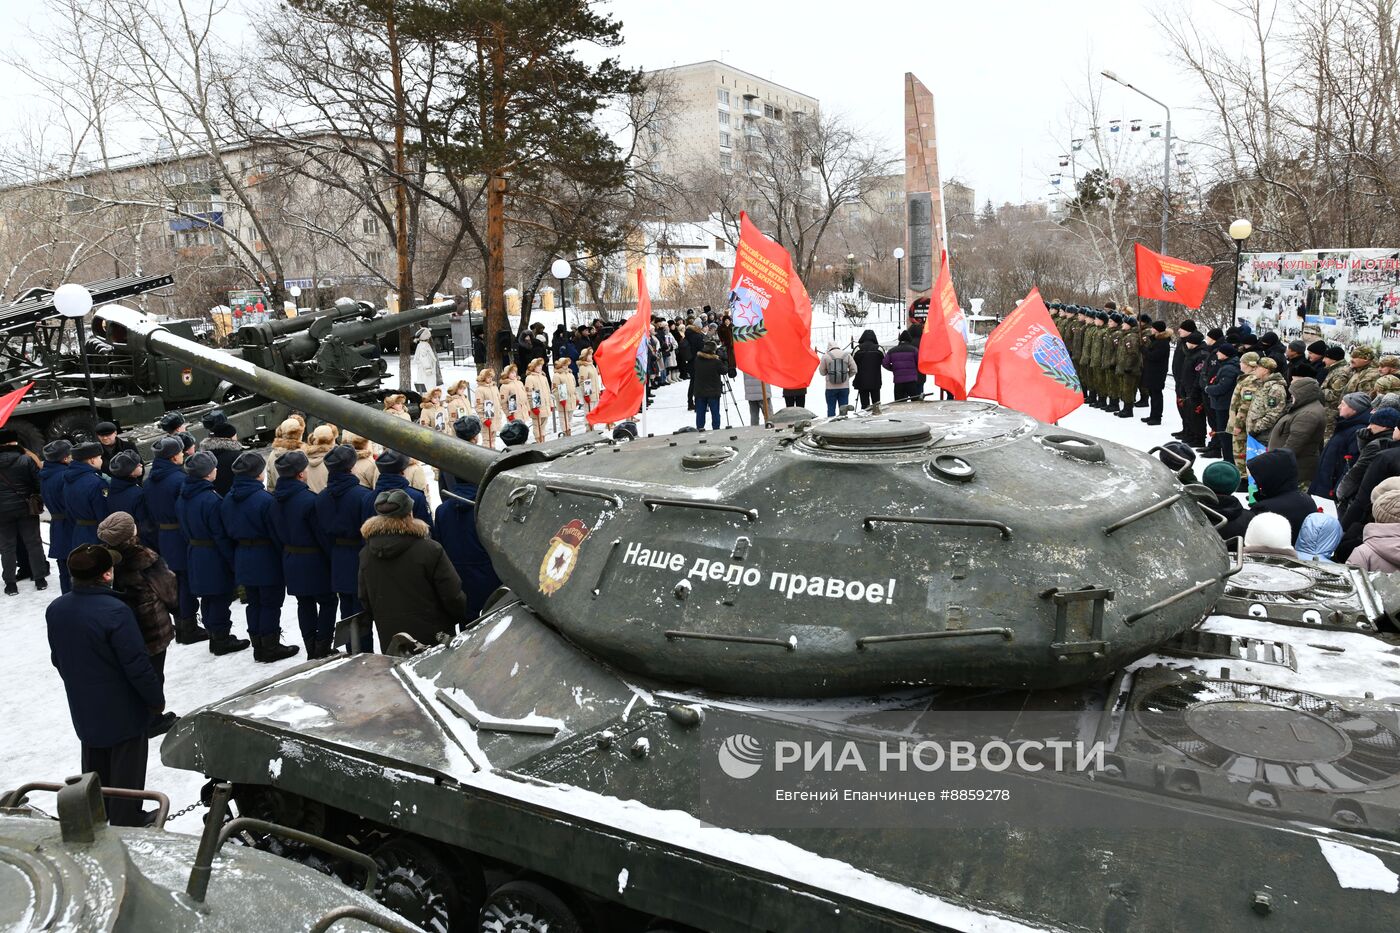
<point>269,331</point>
<point>303,346</point>
<point>468,461</point>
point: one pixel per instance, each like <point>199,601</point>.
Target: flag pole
<point>767,411</point>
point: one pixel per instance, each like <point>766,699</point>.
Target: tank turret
<point>946,543</point>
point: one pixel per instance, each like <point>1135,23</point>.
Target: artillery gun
<point>75,872</point>
<point>611,745</point>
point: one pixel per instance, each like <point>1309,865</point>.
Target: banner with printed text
<point>771,311</point>
<point>1026,365</point>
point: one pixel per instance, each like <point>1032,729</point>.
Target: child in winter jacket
<point>457,403</point>
<point>432,413</point>
<point>537,388</point>
<point>565,394</point>
<point>488,407</point>
<point>515,403</point>
<point>589,385</point>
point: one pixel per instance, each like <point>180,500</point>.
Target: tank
<point>332,350</point>
<point>75,872</point>
<point>706,638</point>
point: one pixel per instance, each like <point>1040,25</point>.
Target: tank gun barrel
<point>468,461</point>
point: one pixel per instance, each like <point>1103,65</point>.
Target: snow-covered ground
<point>36,736</point>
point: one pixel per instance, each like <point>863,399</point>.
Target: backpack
<point>836,369</point>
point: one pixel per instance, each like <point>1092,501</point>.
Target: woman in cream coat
<point>488,407</point>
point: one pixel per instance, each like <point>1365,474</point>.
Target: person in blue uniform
<point>306,564</point>
<point>454,527</point>
<point>85,492</point>
<point>163,485</point>
<point>341,508</point>
<point>392,465</point>
<point>127,494</point>
<point>257,556</point>
<point>57,456</point>
<point>113,690</point>
<point>210,556</point>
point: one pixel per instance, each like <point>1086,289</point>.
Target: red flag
<point>8,403</point>
<point>943,348</point>
<point>772,313</point>
<point>1026,365</point>
<point>622,364</point>
<point>1167,279</point>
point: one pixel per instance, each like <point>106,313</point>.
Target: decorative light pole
<point>899,275</point>
<point>295,292</point>
<point>1239,232</point>
<point>561,270</point>
<point>1166,155</point>
<point>75,301</point>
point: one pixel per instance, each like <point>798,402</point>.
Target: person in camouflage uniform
<point>1384,384</point>
<point>1364,370</point>
<point>1092,348</point>
<point>1388,365</point>
<point>1334,384</point>
<point>1129,366</point>
<point>1269,403</point>
<point>1113,338</point>
<point>1239,406</point>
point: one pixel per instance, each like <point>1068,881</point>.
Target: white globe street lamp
<point>561,270</point>
<point>898,274</point>
<point>1239,232</point>
<point>75,301</point>
<point>467,284</point>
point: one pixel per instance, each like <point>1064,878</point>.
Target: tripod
<point>731,398</point>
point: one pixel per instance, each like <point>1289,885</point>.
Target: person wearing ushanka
<point>306,563</point>
<point>211,552</point>
<point>392,465</point>
<point>57,455</point>
<point>163,487</point>
<point>257,556</point>
<point>223,443</point>
<point>85,492</point>
<point>113,691</point>
<point>454,527</point>
<point>407,583</point>
<point>127,494</point>
<point>341,508</point>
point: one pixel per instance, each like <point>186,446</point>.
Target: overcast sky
<point>1004,73</point>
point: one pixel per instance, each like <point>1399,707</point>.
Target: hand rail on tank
<point>1005,634</point>
<point>1143,513</point>
<point>790,643</point>
<point>1185,464</point>
<point>559,489</point>
<point>1236,565</point>
<point>654,504</point>
<point>364,915</point>
<point>1002,527</point>
<point>16,796</point>
<point>239,824</point>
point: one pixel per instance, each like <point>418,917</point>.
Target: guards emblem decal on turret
<point>562,555</point>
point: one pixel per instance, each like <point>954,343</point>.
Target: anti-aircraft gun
<point>332,350</point>
<point>695,624</point>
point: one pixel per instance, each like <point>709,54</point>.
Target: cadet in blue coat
<point>163,485</point>
<point>391,465</point>
<point>126,493</point>
<point>85,492</point>
<point>57,456</point>
<point>113,691</point>
<point>341,508</point>
<point>455,529</point>
<point>306,563</point>
<point>257,556</point>
<point>210,557</point>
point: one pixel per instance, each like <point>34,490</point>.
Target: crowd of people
<point>1289,424</point>
<point>151,558</point>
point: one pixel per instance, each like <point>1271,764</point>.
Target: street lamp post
<point>1239,232</point>
<point>899,276</point>
<point>561,270</point>
<point>1166,154</point>
<point>295,292</point>
<point>74,301</point>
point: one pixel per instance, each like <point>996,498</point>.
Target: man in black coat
<point>113,691</point>
<point>1270,346</point>
<point>1358,514</point>
<point>223,443</point>
<point>19,528</point>
<point>1276,474</point>
<point>706,380</point>
<point>407,581</point>
<point>1155,349</point>
<point>112,443</point>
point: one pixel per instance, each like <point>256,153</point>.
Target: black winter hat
<point>1187,325</point>
<point>186,441</point>
<point>104,427</point>
<point>87,450</point>
<point>1269,339</point>
<point>1227,349</point>
<point>87,561</point>
<point>515,434</point>
<point>201,464</point>
<point>165,448</point>
<point>1274,471</point>
<point>1318,347</point>
<point>1194,339</point>
<point>55,451</point>
<point>340,458</point>
<point>626,431</point>
<point>1334,352</point>
<point>1216,334</point>
<point>1233,334</point>
<point>224,429</point>
<point>124,463</point>
<point>170,421</point>
<point>1297,346</point>
<point>290,464</point>
<point>1184,455</point>
<point>1159,326</point>
<point>212,418</point>
<point>467,428</point>
<point>1302,369</point>
<point>249,464</point>
<point>393,462</point>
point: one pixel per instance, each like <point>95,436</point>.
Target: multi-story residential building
<point>714,113</point>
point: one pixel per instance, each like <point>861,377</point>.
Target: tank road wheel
<point>30,437</point>
<point>527,907</point>
<point>77,425</point>
<point>426,886</point>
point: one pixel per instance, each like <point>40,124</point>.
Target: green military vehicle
<point>688,708</point>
